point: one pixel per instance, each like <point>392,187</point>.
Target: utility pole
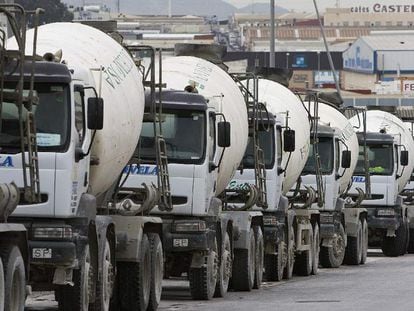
<point>272,34</point>
<point>119,6</point>
<point>169,9</point>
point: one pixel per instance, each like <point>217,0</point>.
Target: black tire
<point>259,260</point>
<point>333,257</point>
<point>406,232</point>
<point>392,246</point>
<point>105,281</point>
<point>14,278</point>
<point>303,262</point>
<point>353,253</point>
<point>410,248</point>
<point>76,297</point>
<point>291,249</point>
<point>244,266</point>
<point>157,271</point>
<point>225,268</point>
<point>203,280</point>
<point>134,280</point>
<point>316,249</point>
<point>274,265</point>
<point>1,286</point>
<point>364,254</point>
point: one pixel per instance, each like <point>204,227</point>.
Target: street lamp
<point>287,60</point>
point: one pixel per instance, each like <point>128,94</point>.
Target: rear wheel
<point>303,262</point>
<point>14,279</point>
<point>353,254</point>
<point>203,280</point>
<point>224,273</point>
<point>291,249</point>
<point>157,270</point>
<point>259,257</point>
<point>364,241</point>
<point>77,297</point>
<point>333,257</point>
<point>275,263</point>
<point>134,280</point>
<point>392,246</point>
<point>316,249</point>
<point>244,266</point>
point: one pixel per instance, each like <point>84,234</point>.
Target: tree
<point>55,10</point>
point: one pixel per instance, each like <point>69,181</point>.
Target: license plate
<point>180,242</point>
<point>42,253</point>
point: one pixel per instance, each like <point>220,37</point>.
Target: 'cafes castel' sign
<point>384,8</point>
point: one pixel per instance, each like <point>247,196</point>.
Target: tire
<point>392,246</point>
<point>76,297</point>
<point>274,264</point>
<point>404,244</point>
<point>105,281</point>
<point>303,262</point>
<point>333,257</point>
<point>291,249</point>
<point>134,280</point>
<point>353,253</point>
<point>157,271</point>
<point>244,266</point>
<point>259,260</point>
<point>203,280</point>
<point>225,268</point>
<point>410,248</point>
<point>1,286</point>
<point>364,254</point>
<point>14,278</point>
<point>316,249</point>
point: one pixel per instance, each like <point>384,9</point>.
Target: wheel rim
<point>364,241</point>
<point>292,252</point>
<point>213,270</point>
<point>317,248</point>
<point>227,264</point>
<point>259,260</point>
<point>16,292</point>
<point>146,277</point>
<point>281,259</point>
<point>360,242</point>
<point>311,251</point>
<point>338,246</point>
<point>158,275</point>
<point>87,276</point>
<point>252,258</point>
<point>107,277</point>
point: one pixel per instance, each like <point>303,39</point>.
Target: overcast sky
<point>301,5</point>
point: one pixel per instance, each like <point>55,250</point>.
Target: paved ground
<point>381,284</point>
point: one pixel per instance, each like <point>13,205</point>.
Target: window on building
<point>356,23</point>
<point>377,24</point>
<point>399,24</point>
<point>388,24</point>
<point>346,24</point>
<point>367,24</point>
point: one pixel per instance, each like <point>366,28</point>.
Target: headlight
<point>386,212</point>
<point>190,226</point>
<point>269,220</point>
<point>53,233</point>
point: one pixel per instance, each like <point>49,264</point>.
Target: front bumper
<point>53,253</point>
<point>384,222</point>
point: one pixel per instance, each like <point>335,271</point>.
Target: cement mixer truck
<point>389,146</point>
<point>206,130</point>
<point>82,108</point>
<point>328,172</point>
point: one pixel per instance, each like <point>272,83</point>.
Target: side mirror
<point>404,158</point>
<point>223,134</point>
<point>346,159</point>
<point>289,140</point>
<point>95,113</point>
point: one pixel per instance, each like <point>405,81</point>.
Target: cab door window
<point>79,97</point>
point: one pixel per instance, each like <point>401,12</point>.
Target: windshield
<point>380,160</point>
<point>51,118</point>
<point>266,143</point>
<point>326,155</point>
<point>184,134</point>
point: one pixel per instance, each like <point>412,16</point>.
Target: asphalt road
<point>381,284</point>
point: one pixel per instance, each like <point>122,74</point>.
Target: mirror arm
<point>79,154</point>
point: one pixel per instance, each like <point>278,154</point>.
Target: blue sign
<point>359,61</point>
<point>141,170</point>
<point>6,162</point>
<point>358,179</point>
<point>299,61</point>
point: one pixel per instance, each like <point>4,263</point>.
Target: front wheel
<point>275,263</point>
<point>291,249</point>
<point>157,270</point>
<point>225,268</point>
<point>393,246</point>
<point>76,297</point>
<point>353,254</point>
<point>14,279</point>
<point>364,254</point>
<point>244,266</point>
<point>203,280</point>
<point>259,257</point>
<point>316,249</point>
<point>333,257</point>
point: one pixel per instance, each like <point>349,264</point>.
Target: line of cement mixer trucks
<point>117,173</point>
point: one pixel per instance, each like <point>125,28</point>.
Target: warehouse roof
<point>390,40</point>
